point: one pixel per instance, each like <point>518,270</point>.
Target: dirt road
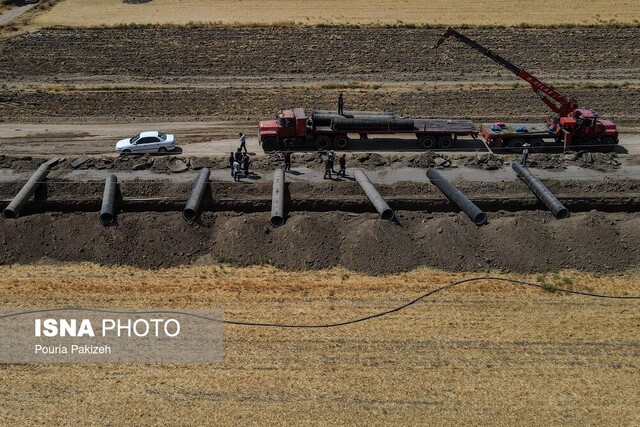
<point>14,13</point>
<point>209,138</point>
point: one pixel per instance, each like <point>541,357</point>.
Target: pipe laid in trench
<point>190,211</point>
<point>542,192</point>
<point>16,204</point>
<point>107,212</point>
<point>457,197</point>
<point>277,199</point>
<point>374,197</point>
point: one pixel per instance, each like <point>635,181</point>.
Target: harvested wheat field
<point>481,353</point>
<point>269,12</point>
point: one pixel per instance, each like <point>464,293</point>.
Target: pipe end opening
<point>106,219</point>
<point>189,214</point>
<point>277,221</point>
<point>388,214</point>
<point>9,214</point>
<point>480,219</point>
<point>562,213</point>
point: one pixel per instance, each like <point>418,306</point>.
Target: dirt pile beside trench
<point>517,242</point>
<point>315,160</point>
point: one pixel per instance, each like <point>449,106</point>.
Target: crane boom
<point>552,98</point>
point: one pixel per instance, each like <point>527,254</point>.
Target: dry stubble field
<point>478,354</point>
<point>336,12</point>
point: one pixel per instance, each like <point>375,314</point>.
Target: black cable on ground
<point>346,322</point>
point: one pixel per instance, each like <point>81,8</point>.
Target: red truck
<point>570,126</point>
<point>325,130</point>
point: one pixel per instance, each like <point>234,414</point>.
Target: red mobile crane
<point>570,126</point>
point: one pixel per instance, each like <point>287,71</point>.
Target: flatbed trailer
<point>515,135</point>
<point>325,130</point>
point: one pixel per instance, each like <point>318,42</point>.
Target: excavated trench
<point>626,203</point>
<point>329,225</point>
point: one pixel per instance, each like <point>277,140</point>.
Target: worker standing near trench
<point>231,160</point>
<point>343,166</point>
<point>287,161</point>
<point>245,164</point>
<point>327,168</point>
<point>341,105</point>
<point>525,153</point>
<point>235,171</point>
<point>243,143</point>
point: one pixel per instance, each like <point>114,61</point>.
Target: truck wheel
<point>537,145</point>
<point>269,144</point>
<point>516,145</point>
<point>607,143</point>
<point>323,142</point>
<point>445,142</point>
<point>341,141</point>
<point>428,142</point>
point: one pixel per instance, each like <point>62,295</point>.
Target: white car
<point>147,142</point>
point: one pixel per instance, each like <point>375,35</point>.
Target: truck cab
<point>584,127</point>
<point>288,128</point>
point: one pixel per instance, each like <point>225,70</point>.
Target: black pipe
<point>375,198</point>
<point>325,119</point>
<point>356,113</point>
<point>346,124</point>
<point>107,212</point>
<point>190,211</point>
<point>27,190</point>
<point>542,192</point>
<point>457,197</point>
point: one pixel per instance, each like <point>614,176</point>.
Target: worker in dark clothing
<point>287,161</point>
<point>343,166</point>
<point>239,155</point>
<point>332,158</point>
<point>525,153</point>
<point>327,168</point>
<point>231,160</point>
<point>245,164</point>
<point>243,142</point>
<point>340,105</point>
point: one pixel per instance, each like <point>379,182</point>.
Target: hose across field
<point>346,322</point>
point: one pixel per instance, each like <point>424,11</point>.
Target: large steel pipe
<point>542,192</point>
<point>16,204</point>
<point>277,199</point>
<point>356,113</point>
<point>376,199</point>
<point>107,212</point>
<point>390,124</point>
<point>190,211</point>
<point>457,197</point>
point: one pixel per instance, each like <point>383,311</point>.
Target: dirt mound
<point>523,242</point>
<point>370,161</point>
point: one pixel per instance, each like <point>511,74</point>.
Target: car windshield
<point>162,136</point>
<point>135,139</point>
